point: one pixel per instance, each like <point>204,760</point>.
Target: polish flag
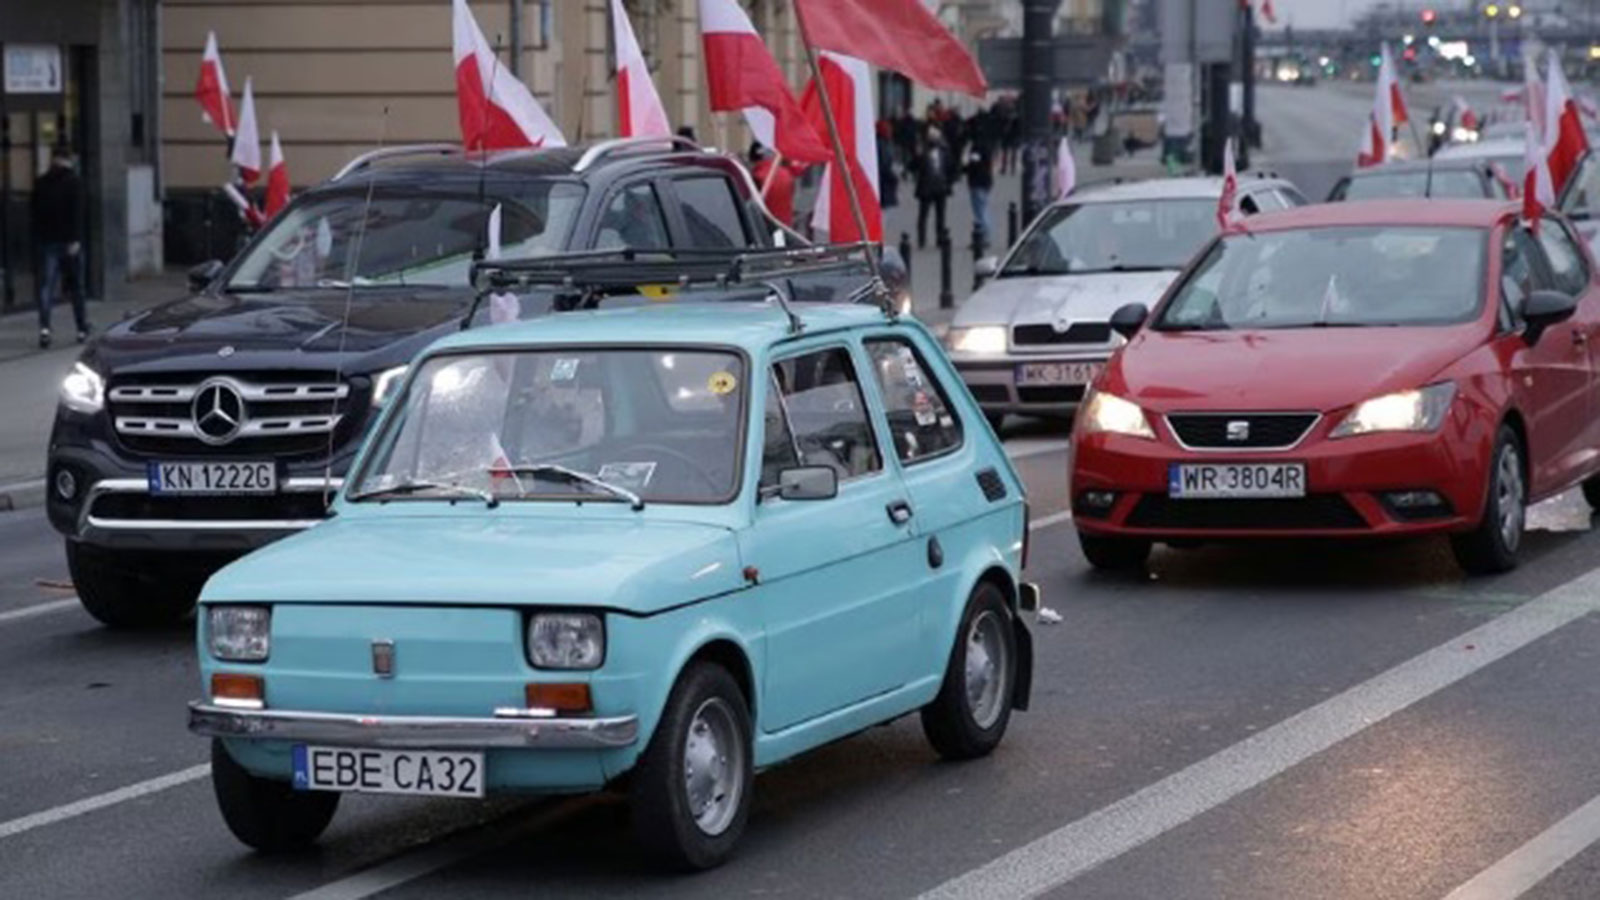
<point>1465,117</point>
<point>211,88</point>
<point>1538,190</point>
<point>247,141</point>
<point>900,35</point>
<point>1268,13</point>
<point>277,179</point>
<point>1388,76</point>
<point>1066,170</point>
<point>638,103</point>
<point>1381,121</point>
<point>497,111</point>
<point>742,75</point>
<point>849,85</point>
<point>1533,98</point>
<point>1564,139</point>
<point>1227,219</point>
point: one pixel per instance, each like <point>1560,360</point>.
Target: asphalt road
<point>1296,720</point>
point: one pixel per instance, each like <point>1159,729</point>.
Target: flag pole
<point>772,173</point>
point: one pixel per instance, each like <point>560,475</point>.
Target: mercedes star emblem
<point>218,412</point>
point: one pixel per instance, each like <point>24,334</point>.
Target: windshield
<point>412,237</point>
<point>1112,237</point>
<point>1458,183</point>
<point>1354,276</point>
<point>665,425</point>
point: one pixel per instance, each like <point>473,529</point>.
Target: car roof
<point>1203,187</point>
<point>1437,164</point>
<point>1441,212</point>
<point>431,162</point>
<point>1496,148</point>
<point>751,326</point>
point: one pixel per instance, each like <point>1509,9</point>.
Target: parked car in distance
<point>1507,153</point>
<point>1362,370</point>
<point>1461,179</point>
<point>676,542</point>
<point>1038,332</point>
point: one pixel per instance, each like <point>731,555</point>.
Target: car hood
<point>473,557</point>
<point>1055,298</point>
<point>1319,369</point>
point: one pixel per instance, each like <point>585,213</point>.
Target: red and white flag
<point>1066,170</point>
<point>638,105</point>
<point>247,140</point>
<point>849,84</point>
<point>1533,98</point>
<point>900,35</point>
<point>742,76</point>
<point>1465,117</point>
<point>277,179</point>
<point>497,111</point>
<point>1227,204</point>
<point>1381,122</point>
<point>211,88</point>
<point>1538,188</point>
<point>1564,139</point>
<point>1268,13</point>
<point>1390,77</point>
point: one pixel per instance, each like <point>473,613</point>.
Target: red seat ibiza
<point>1367,369</point>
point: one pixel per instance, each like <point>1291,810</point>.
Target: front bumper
<point>993,383</point>
<point>510,731</point>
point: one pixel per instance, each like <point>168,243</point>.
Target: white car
<point>1037,333</point>
<point>1506,152</point>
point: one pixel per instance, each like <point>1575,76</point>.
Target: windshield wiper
<point>407,488</point>
<point>573,476</point>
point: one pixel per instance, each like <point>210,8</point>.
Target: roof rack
<point>606,148</point>
<point>366,160</point>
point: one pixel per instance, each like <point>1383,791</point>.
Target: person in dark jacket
<point>980,183</point>
<point>58,235</point>
<point>933,170</point>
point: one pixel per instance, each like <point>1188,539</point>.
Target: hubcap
<point>714,764</point>
<point>988,669</point>
<point>1510,498</point>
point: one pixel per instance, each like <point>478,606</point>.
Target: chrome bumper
<point>414,732</point>
<point>89,523</point>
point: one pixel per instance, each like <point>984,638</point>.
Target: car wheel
<point>1492,546</point>
<point>268,815</point>
<point>117,590</point>
<point>691,789</point>
<point>1591,492</point>
<point>969,716</point>
<point>996,421</point>
<point>1114,554</point>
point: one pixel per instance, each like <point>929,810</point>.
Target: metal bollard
<point>947,296</point>
<point>1011,225</point>
<point>905,254</point>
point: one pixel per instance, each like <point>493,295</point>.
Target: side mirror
<point>808,483</point>
<point>1543,309</point>
<point>1127,320</point>
<point>986,268</point>
<point>201,276</point>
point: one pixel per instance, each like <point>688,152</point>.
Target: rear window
<point>710,212</point>
<point>1457,183</point>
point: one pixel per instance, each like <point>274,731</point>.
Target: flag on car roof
<point>277,179</point>
<point>638,104</point>
<point>901,35</point>
<point>247,140</point>
<point>849,85</point>
<point>1565,142</point>
<point>211,88</point>
<point>1227,204</point>
<point>1538,189</point>
<point>1375,143</point>
<point>1388,75</point>
<point>497,112</point>
<point>1066,169</point>
<point>742,76</point>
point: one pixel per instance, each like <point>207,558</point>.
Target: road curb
<point>21,495</point>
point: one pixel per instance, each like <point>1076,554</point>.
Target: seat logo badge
<point>218,412</point>
<point>1238,431</point>
<point>383,658</point>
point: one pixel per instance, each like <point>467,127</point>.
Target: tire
<point>125,592</point>
<point>1114,554</point>
<point>996,421</point>
<point>268,815</point>
<point>702,748</point>
<point>1591,492</point>
<point>1491,547</point>
<point>969,716</point>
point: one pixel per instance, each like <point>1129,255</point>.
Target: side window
<point>1567,268</point>
<point>778,450</point>
<point>1266,201</point>
<point>633,220</point>
<point>711,213</point>
<point>917,406</point>
<point>827,416</point>
<point>1583,197</point>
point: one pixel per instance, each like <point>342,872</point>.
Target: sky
<point>1318,13</point>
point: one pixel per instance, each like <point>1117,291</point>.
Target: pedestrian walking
<point>57,219</point>
<point>888,180</point>
<point>980,184</point>
<point>933,171</point>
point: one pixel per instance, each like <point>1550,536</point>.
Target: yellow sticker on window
<point>722,383</point>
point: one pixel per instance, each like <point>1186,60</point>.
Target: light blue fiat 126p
<point>677,543</point>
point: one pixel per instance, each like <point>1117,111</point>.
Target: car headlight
<point>1419,410</point>
<point>386,383</point>
<point>83,390</point>
<point>1113,415</point>
<point>989,340</point>
<point>566,641</point>
<point>240,633</point>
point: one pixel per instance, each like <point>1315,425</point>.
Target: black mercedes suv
<point>201,429</point>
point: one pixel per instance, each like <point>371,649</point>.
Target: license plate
<point>213,478</point>
<point>429,773</point>
<point>1057,373</point>
<point>1213,480</point>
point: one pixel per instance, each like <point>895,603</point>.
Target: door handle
<point>899,512</point>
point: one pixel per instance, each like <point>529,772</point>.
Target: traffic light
<point>1429,16</point>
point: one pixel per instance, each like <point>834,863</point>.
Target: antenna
<point>781,294</point>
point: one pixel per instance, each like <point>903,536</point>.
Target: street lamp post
<point>1037,78</point>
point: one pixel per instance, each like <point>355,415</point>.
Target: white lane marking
<point>101,801</point>
<point>1073,849</point>
<point>1030,448</point>
<point>1529,864</point>
<point>1052,519</point>
<point>37,609</point>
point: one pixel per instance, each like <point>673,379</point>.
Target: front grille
<point>1046,335</point>
<point>1329,511</point>
<point>271,507</point>
<point>989,393</point>
<point>1221,431</point>
<point>289,415</point>
<point>1071,393</point>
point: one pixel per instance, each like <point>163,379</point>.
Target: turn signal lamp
<point>236,691</point>
<point>563,698</point>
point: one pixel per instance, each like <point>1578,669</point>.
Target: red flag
<point>1227,203</point>
<point>1565,142</point>
<point>1465,117</point>
<point>1268,13</point>
<point>638,104</point>
<point>1538,189</point>
<point>1397,101</point>
<point>1381,122</point>
<point>211,88</point>
<point>277,179</point>
<point>497,111</point>
<point>849,85</point>
<point>247,143</point>
<point>901,35</point>
<point>742,75</point>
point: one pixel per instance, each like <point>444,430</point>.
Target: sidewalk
<point>19,330</point>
